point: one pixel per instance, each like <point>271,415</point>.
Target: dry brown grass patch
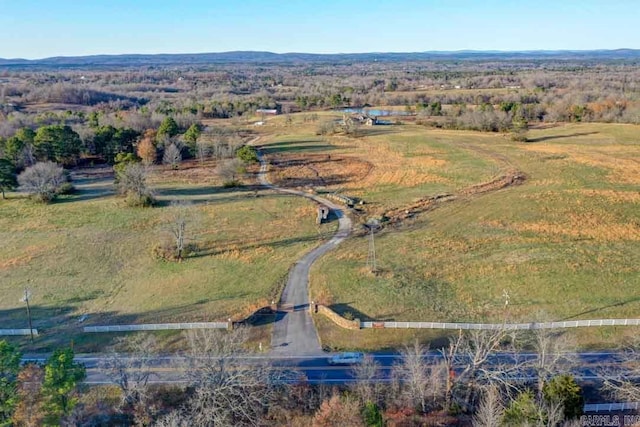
<point>26,257</point>
<point>584,226</point>
<point>392,168</point>
<point>314,170</point>
<point>622,164</point>
<point>612,196</point>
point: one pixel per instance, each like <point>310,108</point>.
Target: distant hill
<point>269,57</point>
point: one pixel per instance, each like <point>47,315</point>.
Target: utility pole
<point>507,298</point>
<point>25,298</point>
<point>371,257</point>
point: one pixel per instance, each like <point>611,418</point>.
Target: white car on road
<point>348,358</point>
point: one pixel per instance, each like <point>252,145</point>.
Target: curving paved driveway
<point>294,332</point>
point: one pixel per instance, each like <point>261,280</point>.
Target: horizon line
<point>480,51</point>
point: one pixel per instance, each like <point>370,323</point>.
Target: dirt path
<point>294,332</point>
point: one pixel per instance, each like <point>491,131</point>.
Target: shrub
<point>166,251</point>
<point>231,170</point>
<point>66,188</point>
<point>231,184</point>
<point>139,201</point>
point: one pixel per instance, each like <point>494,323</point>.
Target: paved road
<point>294,332</point>
<point>315,369</point>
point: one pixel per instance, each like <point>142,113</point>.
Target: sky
<point>44,28</point>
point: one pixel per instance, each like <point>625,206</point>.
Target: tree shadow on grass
<point>89,189</point>
<point>214,249</point>
<point>552,137</point>
<point>378,130</point>
<point>206,191</point>
<point>63,325</point>
<point>604,307</point>
<point>296,182</point>
<point>293,148</point>
<point>84,196</point>
<point>287,143</point>
<point>212,194</point>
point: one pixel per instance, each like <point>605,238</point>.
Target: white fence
<point>494,326</point>
<point>18,331</point>
<point>156,327</point>
<point>612,407</point>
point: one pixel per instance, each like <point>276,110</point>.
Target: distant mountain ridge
<point>270,57</point>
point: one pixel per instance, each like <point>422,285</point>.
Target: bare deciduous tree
<point>42,180</point>
<point>367,385</point>
<point>180,214</point>
<point>620,380</point>
<point>553,355</point>
<point>228,389</point>
<point>130,367</point>
<point>204,149</point>
<point>490,410</point>
<point>174,419</point>
<point>230,171</point>
<point>172,156</point>
<point>471,364</point>
<point>132,182</point>
<point>420,383</point>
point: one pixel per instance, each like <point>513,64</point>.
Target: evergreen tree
<point>61,377</point>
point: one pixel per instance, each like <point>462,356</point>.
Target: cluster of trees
<point>36,395</point>
<point>511,117</point>
<point>33,159</point>
<point>56,143</point>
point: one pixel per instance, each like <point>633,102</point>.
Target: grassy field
<point>389,166</point>
<point>564,245</point>
<point>89,254</point>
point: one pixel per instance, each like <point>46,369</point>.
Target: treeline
<point>559,89</point>
<point>73,136</point>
